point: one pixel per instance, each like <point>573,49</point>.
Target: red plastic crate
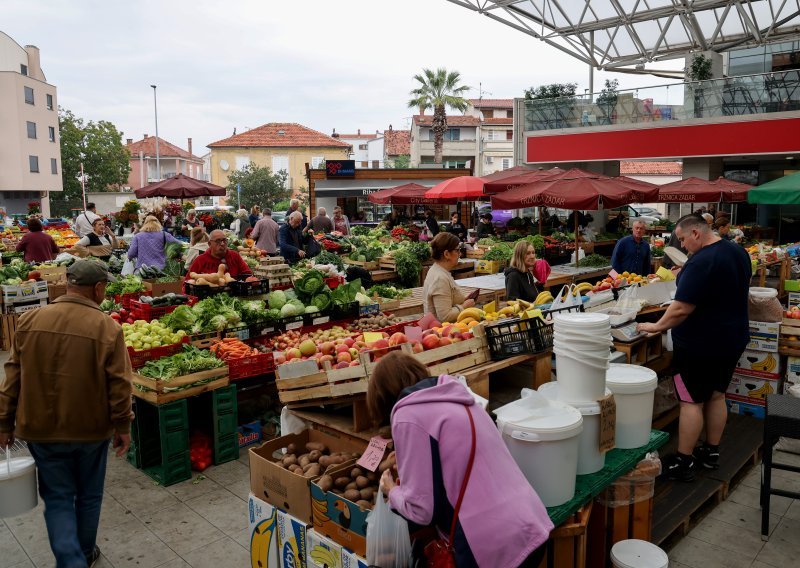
<point>281,287</point>
<point>139,358</point>
<point>334,281</point>
<point>251,366</point>
<point>126,299</point>
<point>143,311</point>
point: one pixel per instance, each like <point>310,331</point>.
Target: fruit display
<point>314,460</point>
<point>334,346</point>
<point>63,237</point>
<point>792,313</point>
<point>473,316</point>
<point>373,323</point>
<point>543,298</point>
<point>249,250</point>
<point>143,335</point>
<point>623,279</point>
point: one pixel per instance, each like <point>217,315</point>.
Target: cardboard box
<point>752,390</point>
<point>161,288</point>
<point>249,433</point>
<point>352,560</point>
<point>746,409</point>
<point>794,297</point>
<point>759,364</point>
<point>292,541</point>
<point>488,266</point>
<point>56,290</point>
<point>282,488</point>
<point>338,518</point>
<point>764,336</point>
<point>263,534</point>
<point>322,551</point>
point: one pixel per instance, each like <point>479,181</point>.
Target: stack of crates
<point>160,434</point>
<point>758,373</point>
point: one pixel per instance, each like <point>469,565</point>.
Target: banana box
<point>759,364</point>
<point>764,336</point>
<point>352,560</point>
<point>488,266</point>
<point>323,552</point>
<point>752,390</point>
<point>792,371</point>
<point>292,541</point>
<point>746,409</point>
<point>263,534</point>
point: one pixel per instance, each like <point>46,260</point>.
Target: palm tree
<point>437,90</point>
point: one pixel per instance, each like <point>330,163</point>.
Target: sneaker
<point>678,468</point>
<point>705,456</point>
<point>92,559</point>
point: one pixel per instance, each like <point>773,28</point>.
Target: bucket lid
<point>585,407</point>
<point>19,467</point>
<point>760,292</point>
<point>582,320</point>
<point>634,553</point>
<point>630,379</point>
<point>535,418</point>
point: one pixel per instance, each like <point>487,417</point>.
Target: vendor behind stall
<point>291,238</point>
<point>101,236</point>
<point>456,227</point>
<point>218,253</point>
<point>36,245</point>
<point>485,227</point>
<point>524,273</point>
<point>632,253</point>
<point>440,295</point>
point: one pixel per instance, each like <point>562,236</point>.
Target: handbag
<point>439,552</point>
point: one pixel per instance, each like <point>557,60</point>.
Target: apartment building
<point>172,160</point>
<point>496,148</point>
<point>30,160</point>
<point>460,148</point>
<point>396,143</point>
<point>367,149</point>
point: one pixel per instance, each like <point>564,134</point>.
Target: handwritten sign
<point>240,334</point>
<point>294,325</point>
<point>608,422</point>
<point>371,337</point>
<point>413,333</point>
<point>373,455</point>
<point>321,320</point>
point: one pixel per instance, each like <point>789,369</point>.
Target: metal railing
<point>731,96</point>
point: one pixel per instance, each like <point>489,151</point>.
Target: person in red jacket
<point>37,246</point>
<point>218,253</point>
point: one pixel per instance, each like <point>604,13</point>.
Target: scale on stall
<point>626,332</point>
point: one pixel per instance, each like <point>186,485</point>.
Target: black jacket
<point>433,225</point>
<point>458,229</point>
<point>520,285</point>
<point>484,230</point>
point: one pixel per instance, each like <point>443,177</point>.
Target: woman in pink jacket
<point>502,522</point>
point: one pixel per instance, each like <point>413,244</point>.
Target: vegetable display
<point>326,257</point>
<point>408,267</point>
<point>311,283</point>
<point>125,285</point>
<point>595,261</point>
<point>219,278</point>
<point>190,360</point>
<point>143,335</point>
<point>388,292</point>
<point>231,348</point>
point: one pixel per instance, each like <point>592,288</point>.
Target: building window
<point>49,102</point>
<point>488,113</point>
<point>29,95</point>
<point>450,135</point>
<point>241,162</point>
<point>492,135</point>
<point>51,133</point>
<point>509,134</point>
<point>362,146</point>
<point>31,129</point>
<point>490,159</point>
<point>33,162</point>
<point>365,164</point>
<point>317,162</point>
<point>53,166</point>
<point>506,163</point>
<point>376,164</point>
<point>23,69</point>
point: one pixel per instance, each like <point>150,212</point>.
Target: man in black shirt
<point>457,228</point>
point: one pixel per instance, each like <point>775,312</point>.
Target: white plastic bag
<point>128,267</point>
<point>566,299</point>
<point>582,255</point>
<point>388,542</point>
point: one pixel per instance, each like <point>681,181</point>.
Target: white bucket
<point>590,458</point>
<point>636,553</point>
<point>634,388</point>
<point>543,437</point>
<point>18,490</point>
<point>758,292</point>
<point>581,346</point>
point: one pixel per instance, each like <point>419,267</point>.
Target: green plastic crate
<point>216,413</point>
<point>160,441</point>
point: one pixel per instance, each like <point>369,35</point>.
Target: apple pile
<point>623,279</point>
<point>792,313</point>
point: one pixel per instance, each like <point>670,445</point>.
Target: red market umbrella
<point>696,190</point>
<point>462,188</point>
<point>180,187</point>
<point>406,194</point>
<point>521,178</point>
<point>733,191</point>
<point>503,174</point>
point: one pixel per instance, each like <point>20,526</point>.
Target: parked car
<point>279,217</point>
<point>633,214</point>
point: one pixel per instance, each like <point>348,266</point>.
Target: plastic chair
<point>782,420</point>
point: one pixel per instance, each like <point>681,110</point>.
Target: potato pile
<point>357,485</point>
<point>315,461</point>
<point>373,323</point>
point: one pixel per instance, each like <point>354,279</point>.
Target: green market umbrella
<point>782,191</point>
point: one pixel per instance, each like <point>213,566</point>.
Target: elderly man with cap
<point>219,253</point>
<point>67,392</point>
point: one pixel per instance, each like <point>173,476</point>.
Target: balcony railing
<point>732,96</point>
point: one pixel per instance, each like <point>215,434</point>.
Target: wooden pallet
<point>371,265</point>
<point>157,394</point>
<point>302,382</point>
<point>388,263</point>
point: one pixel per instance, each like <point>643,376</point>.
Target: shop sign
<point>340,168</point>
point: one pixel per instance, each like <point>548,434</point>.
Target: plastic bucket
<point>634,388</point>
<point>758,292</point>
<point>636,553</point>
<point>590,458</point>
<point>18,490</point>
<point>581,378</point>
<point>543,438</point>
<point>581,346</point>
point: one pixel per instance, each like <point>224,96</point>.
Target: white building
<point>364,156</point>
<point>496,134</point>
<point>460,147</point>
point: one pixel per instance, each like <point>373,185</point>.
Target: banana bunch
<point>325,557</point>
<point>581,289</point>
<point>470,315</point>
<point>543,298</point>
<point>768,365</point>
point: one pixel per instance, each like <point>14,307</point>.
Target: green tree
<point>551,91</point>
<point>98,145</point>
<point>554,107</point>
<point>438,90</point>
<point>401,162</point>
<point>259,186</point>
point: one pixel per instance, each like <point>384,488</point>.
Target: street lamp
<point>158,158</point>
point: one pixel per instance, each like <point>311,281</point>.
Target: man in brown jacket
<point>67,391</point>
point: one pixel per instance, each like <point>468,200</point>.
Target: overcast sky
<point>240,63</point>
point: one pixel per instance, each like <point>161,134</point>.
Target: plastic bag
<point>764,309</point>
<point>128,267</point>
<point>791,445</point>
<point>636,485</point>
<point>581,255</point>
<point>629,298</point>
<point>388,542</point>
<point>566,299</point>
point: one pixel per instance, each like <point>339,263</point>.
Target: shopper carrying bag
<point>388,543</point>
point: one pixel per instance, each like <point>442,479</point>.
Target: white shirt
<point>83,224</point>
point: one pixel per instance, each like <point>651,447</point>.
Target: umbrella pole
<point>540,220</point>
<point>577,255</point>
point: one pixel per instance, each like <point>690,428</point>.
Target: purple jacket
<point>502,520</point>
<point>148,248</point>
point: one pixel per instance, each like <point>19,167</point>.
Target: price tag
<point>241,334</point>
<point>373,455</point>
<point>372,337</point>
<point>266,330</point>
<point>608,422</point>
<point>318,321</point>
<point>294,325</point>
<point>413,333</point>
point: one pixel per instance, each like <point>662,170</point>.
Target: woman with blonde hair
<point>148,246</point>
<point>524,272</point>
<point>240,224</point>
<point>198,244</point>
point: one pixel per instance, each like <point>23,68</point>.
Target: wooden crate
<point>303,382</point>
<point>53,274</point>
<point>8,329</point>
<point>388,263</point>
<point>371,265</point>
<point>566,547</point>
<point>157,395</point>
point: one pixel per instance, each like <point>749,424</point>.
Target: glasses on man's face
<point>219,241</point>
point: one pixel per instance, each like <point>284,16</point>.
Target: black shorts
<point>698,376</point>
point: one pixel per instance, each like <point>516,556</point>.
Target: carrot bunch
<point>232,348</point>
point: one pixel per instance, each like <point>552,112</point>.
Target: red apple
<point>293,353</point>
<point>342,348</point>
<point>342,365</point>
<point>398,338</point>
<point>416,347</point>
<point>355,363</point>
<point>327,348</point>
<point>349,341</point>
<point>326,358</point>
<point>430,342</point>
<point>445,341</point>
<point>466,335</point>
<point>280,359</point>
<point>380,344</point>
<point>343,357</point>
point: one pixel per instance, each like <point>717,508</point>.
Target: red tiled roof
<point>508,121</point>
<point>269,135</point>
<point>650,168</point>
<point>165,149</point>
<point>397,142</point>
<point>357,136</point>
<point>492,103</point>
<point>427,120</point>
